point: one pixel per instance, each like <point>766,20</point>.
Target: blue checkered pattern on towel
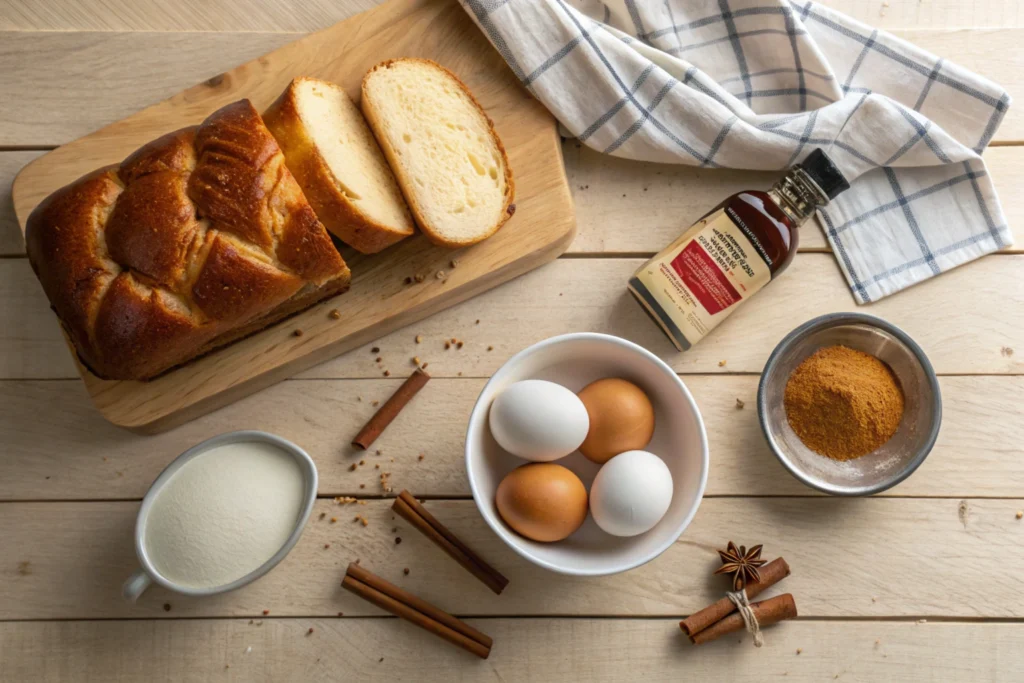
<point>758,84</point>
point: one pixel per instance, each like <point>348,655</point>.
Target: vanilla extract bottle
<point>732,252</point>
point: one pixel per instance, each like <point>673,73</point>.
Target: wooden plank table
<point>919,583</point>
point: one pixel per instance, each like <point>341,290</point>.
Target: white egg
<point>631,493</point>
<point>538,420</point>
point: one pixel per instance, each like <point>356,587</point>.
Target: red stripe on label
<point>704,278</point>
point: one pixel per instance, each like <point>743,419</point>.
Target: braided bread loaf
<point>197,239</point>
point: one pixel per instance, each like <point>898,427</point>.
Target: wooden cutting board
<point>379,301</point>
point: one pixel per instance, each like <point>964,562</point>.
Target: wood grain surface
<point>379,300</point>
<point>941,548</point>
<point>832,545</point>
<point>526,649</point>
<point>311,15</point>
<point>87,458</point>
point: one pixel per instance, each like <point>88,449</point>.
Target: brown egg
<point>542,501</point>
<point>621,419</point>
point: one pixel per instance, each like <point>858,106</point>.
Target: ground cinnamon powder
<point>843,403</point>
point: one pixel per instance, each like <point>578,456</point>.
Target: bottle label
<point>694,284</point>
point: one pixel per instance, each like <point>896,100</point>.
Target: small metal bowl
<point>898,457</point>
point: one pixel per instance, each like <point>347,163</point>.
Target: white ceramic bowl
<point>575,360</point>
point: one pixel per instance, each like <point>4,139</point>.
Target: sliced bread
<point>448,160</point>
<point>335,158</point>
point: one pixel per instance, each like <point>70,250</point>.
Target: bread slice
<point>448,159</point>
<point>335,158</point>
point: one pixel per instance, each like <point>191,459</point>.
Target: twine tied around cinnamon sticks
<point>721,618</point>
<point>742,602</point>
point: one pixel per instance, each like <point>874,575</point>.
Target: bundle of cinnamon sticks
<point>722,618</point>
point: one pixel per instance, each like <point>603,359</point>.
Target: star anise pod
<point>742,564</point>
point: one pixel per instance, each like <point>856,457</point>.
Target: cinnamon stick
<point>415,610</point>
<point>410,509</point>
<point>389,411</point>
<point>768,612</point>
<point>771,574</point>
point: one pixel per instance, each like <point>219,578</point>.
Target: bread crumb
<point>167,607</point>
<point>322,515</point>
<point>419,338</point>
<point>352,467</point>
<point>421,456</point>
<point>335,314</point>
<point>334,520</point>
<point>387,373</point>
<point>362,486</point>
<point>378,359</point>
<point>341,614</point>
<point>297,332</point>
<point>362,462</point>
<point>424,366</point>
<point>477,321</point>
<point>1006,351</point>
<point>1020,514</point>
<point>419,277</point>
<point>458,345</point>
<point>453,263</point>
<point>375,403</point>
<point>265,613</point>
<point>799,650</point>
<point>739,404</point>
<point>490,348</point>
<point>408,280</point>
<point>415,360</point>
<point>406,571</point>
<point>375,349</point>
<point>309,631</point>
<point>722,363</point>
<point>440,274</point>
<point>447,345</point>
<point>379,451</point>
<point>459,373</point>
<point>326,546</point>
<point>398,539</point>
<point>364,521</point>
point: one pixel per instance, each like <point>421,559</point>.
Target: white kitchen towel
<point>758,84</point>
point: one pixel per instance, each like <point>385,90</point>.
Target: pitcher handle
<point>136,585</point>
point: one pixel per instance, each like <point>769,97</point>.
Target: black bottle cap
<point>825,173</point>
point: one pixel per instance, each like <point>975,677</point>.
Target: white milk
<point>224,513</point>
